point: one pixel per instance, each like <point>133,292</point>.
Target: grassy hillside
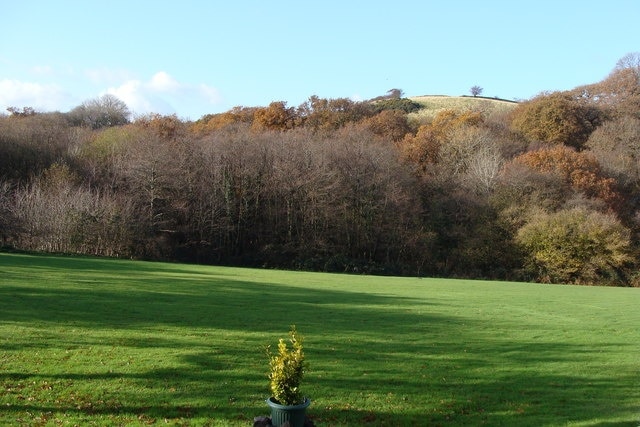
<point>112,342</point>
<point>433,104</point>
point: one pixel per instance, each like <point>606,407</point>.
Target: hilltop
<point>433,104</point>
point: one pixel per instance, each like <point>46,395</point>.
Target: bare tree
<point>31,143</point>
<point>630,60</point>
<point>484,168</point>
<point>475,90</point>
<point>108,110</point>
<point>8,221</point>
<point>616,145</point>
<point>55,214</point>
<point>467,147</point>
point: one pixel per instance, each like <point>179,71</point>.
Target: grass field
<point>433,104</point>
<point>110,342</point>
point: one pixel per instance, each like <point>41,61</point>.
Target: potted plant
<point>287,368</point>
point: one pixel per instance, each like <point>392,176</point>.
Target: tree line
<point>546,192</point>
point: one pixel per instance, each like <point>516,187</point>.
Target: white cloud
<point>42,97</point>
<point>210,93</point>
<point>163,82</point>
<point>163,94</point>
<point>130,93</point>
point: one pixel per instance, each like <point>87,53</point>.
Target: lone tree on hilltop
<point>630,60</point>
<point>394,93</point>
<point>475,90</point>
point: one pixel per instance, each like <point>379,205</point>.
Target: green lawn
<point>109,342</point>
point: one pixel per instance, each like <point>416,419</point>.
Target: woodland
<point>545,191</point>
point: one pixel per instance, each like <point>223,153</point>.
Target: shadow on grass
<point>139,295</point>
<point>373,361</point>
<point>455,387</point>
<point>203,389</point>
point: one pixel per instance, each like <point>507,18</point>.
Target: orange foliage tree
<point>169,127</point>
<point>322,114</point>
<point>213,122</point>
<point>389,123</point>
<point>580,170</point>
<point>423,148</point>
<point>277,116</point>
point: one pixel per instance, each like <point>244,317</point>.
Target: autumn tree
<point>576,246</point>
<point>322,114</point>
<point>424,148</point>
<point>555,118</point>
<point>580,170</point>
<point>619,93</point>
<point>522,191</point>
<point>628,70</point>
<point>391,124</point>
<point>625,82</point>
<point>277,116</point>
<point>166,127</point>
<point>213,122</point>
<point>459,162</point>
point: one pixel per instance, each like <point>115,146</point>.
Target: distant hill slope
<point>433,104</point>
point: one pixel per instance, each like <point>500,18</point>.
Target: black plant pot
<point>294,414</point>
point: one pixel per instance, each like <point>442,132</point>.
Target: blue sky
<point>192,57</point>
